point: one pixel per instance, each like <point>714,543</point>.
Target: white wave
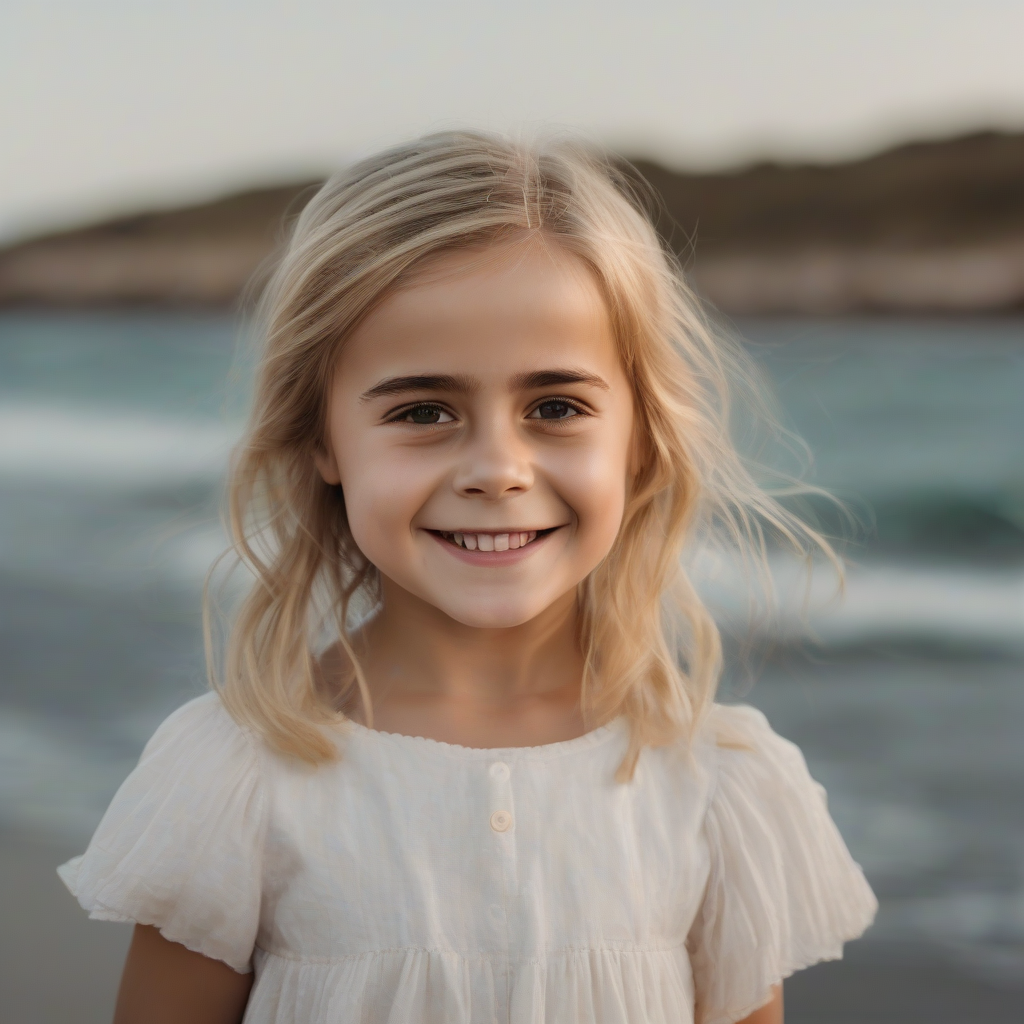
<point>51,443</point>
<point>970,605</point>
<point>958,605</point>
<point>187,559</point>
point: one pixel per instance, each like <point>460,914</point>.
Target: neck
<point>430,675</point>
<point>414,647</point>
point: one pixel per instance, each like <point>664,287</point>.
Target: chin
<point>492,615</point>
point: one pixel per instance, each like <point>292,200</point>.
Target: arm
<point>770,1013</point>
<point>165,983</point>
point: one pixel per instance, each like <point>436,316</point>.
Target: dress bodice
<point>414,881</point>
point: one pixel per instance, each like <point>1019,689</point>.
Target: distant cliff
<point>201,255</point>
<point>929,227</point>
<point>926,227</point>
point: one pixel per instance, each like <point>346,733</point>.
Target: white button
<point>499,770</point>
<point>501,821</point>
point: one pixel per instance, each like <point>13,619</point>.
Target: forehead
<point>502,307</point>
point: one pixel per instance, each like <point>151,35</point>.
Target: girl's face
<point>480,425</point>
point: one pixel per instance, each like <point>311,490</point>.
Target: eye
<point>424,414</point>
<point>554,409</point>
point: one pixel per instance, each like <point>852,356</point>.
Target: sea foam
<point>49,443</point>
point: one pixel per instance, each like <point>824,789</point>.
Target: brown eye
<point>426,414</point>
<point>554,409</point>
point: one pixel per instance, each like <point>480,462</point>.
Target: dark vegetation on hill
<point>927,227</point>
<point>969,190</point>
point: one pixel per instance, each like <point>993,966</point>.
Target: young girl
<point>463,763</point>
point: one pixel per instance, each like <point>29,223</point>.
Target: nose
<point>496,464</point>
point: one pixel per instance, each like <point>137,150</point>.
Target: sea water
<point>906,694</point>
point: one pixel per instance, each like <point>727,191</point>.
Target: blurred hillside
<point>928,227</point>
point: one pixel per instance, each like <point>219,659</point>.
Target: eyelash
<point>581,410</point>
<point>399,414</point>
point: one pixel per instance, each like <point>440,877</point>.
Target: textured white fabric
<point>386,888</point>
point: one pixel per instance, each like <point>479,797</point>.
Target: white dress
<point>415,881</point>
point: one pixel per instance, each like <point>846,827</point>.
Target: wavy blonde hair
<point>652,650</point>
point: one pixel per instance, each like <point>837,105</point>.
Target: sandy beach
<point>56,966</point>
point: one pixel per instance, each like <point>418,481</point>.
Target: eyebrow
<point>550,378</point>
<point>420,382</point>
<point>462,384</point>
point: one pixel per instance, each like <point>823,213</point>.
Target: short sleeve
<point>783,891</point>
<point>180,845</point>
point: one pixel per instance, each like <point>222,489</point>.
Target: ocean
<point>906,693</point>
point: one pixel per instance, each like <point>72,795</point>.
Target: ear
<point>327,466</point>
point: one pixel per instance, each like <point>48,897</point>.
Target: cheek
<point>383,492</point>
<point>593,484</point>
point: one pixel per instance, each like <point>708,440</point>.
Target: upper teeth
<point>491,541</point>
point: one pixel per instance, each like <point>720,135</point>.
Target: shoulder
<point>202,732</point>
<point>206,710</point>
<point>738,726</point>
<point>180,846</point>
<point>738,738</point>
<point>760,778</point>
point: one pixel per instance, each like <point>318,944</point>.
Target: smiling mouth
<point>508,541</point>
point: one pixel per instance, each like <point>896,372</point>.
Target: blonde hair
<point>652,650</point>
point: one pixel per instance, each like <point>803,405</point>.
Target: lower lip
<point>492,559</point>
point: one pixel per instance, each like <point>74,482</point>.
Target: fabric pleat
<point>179,847</point>
<point>783,891</point>
<point>398,986</point>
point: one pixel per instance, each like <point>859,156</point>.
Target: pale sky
<point>111,105</point>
